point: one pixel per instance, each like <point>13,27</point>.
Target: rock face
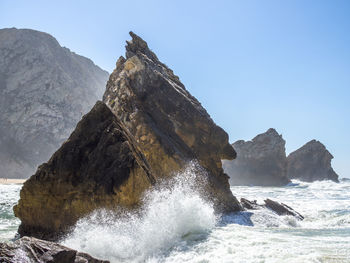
<point>261,161</point>
<point>44,91</point>
<point>311,162</point>
<point>99,166</point>
<point>155,127</point>
<point>29,250</point>
<point>169,124</point>
<point>279,208</point>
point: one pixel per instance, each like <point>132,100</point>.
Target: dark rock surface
<point>282,209</point>
<point>261,161</point>
<point>155,127</point>
<point>169,124</point>
<point>99,166</point>
<point>32,250</point>
<point>250,205</point>
<point>278,208</point>
<point>44,91</point>
<point>311,162</point>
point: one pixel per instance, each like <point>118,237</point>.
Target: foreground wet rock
<point>30,250</point>
<point>261,161</point>
<point>152,128</point>
<point>311,162</point>
<point>278,208</point>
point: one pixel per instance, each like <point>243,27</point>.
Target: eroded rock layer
<point>261,161</point>
<point>99,166</point>
<point>311,162</point>
<point>169,124</point>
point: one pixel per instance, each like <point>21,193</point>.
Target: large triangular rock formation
<point>153,129</point>
<point>169,124</point>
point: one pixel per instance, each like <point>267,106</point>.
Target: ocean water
<point>9,195</point>
<point>177,225</point>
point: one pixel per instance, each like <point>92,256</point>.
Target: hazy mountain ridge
<point>44,91</point>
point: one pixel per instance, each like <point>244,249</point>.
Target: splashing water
<point>177,225</point>
<point>173,215</point>
<point>9,195</point>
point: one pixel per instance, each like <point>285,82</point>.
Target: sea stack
<point>169,124</point>
<point>261,161</point>
<point>311,162</point>
<point>148,128</point>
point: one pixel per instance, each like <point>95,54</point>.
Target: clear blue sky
<point>252,64</point>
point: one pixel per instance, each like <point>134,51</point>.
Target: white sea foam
<point>172,215</point>
<point>9,195</point>
<point>177,225</point>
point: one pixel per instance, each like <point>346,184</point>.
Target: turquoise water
<point>9,195</point>
<point>177,225</point>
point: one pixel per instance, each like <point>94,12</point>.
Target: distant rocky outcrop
<point>261,161</point>
<point>44,91</point>
<point>311,162</point>
<point>154,128</point>
<point>29,250</point>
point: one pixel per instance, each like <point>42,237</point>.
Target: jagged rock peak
<point>311,162</point>
<point>270,133</point>
<point>170,125</point>
<point>317,145</point>
<point>138,45</point>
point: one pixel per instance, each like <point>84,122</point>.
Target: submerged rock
<point>99,166</point>
<point>261,161</point>
<point>29,250</point>
<point>311,162</point>
<point>44,90</point>
<point>251,205</point>
<point>154,129</point>
<point>169,124</point>
<point>278,208</point>
<point>282,209</point>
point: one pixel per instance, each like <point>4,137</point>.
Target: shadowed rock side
<point>169,124</point>
<point>44,90</point>
<point>261,161</point>
<point>29,250</point>
<point>311,162</point>
<point>99,166</point>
